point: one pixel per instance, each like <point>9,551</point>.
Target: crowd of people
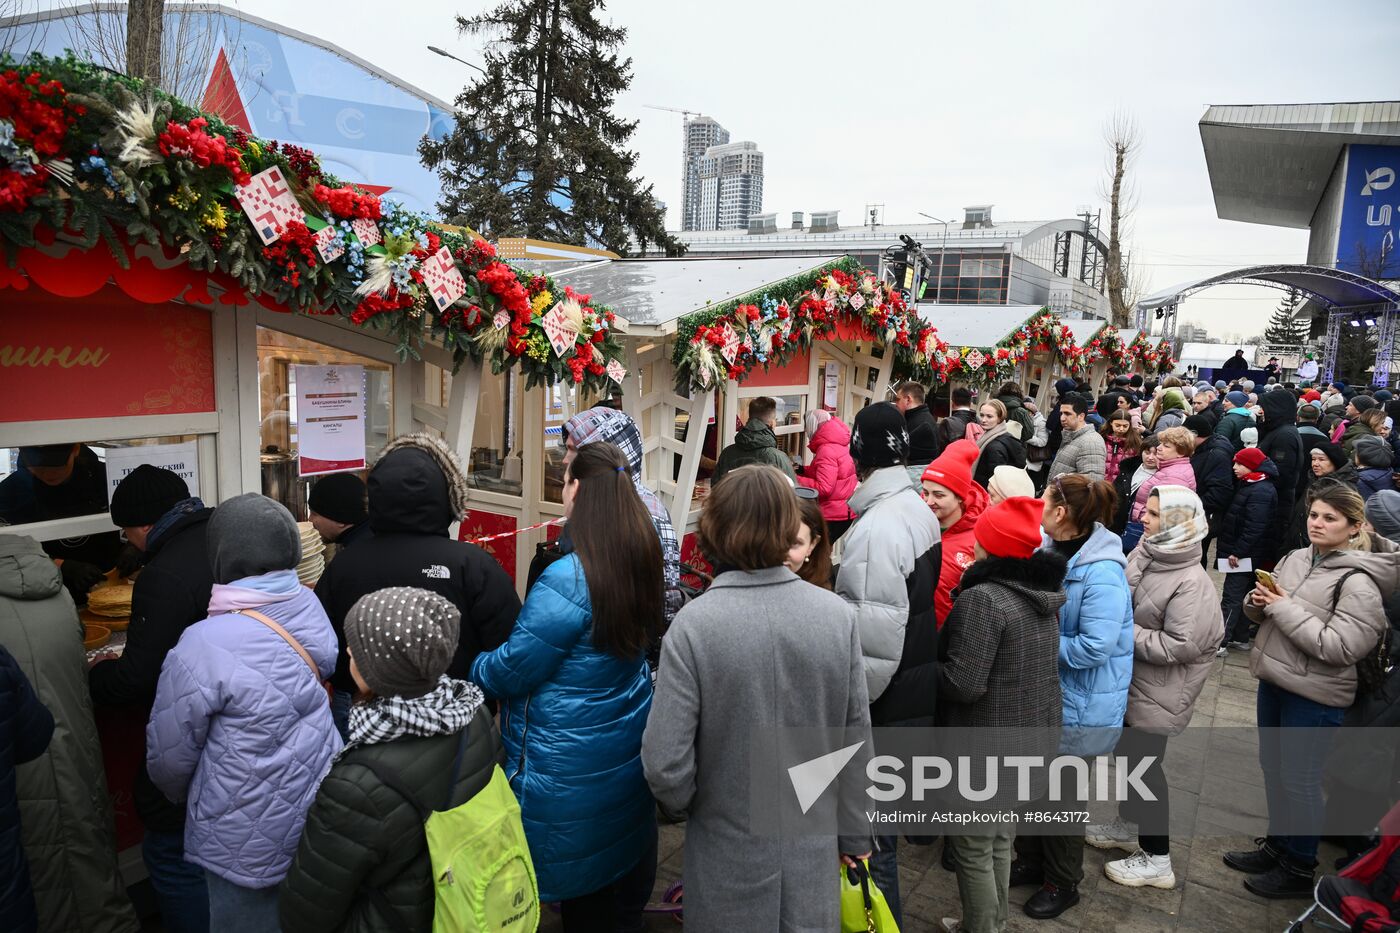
<point>997,567</point>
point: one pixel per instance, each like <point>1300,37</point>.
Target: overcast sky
<point>936,105</point>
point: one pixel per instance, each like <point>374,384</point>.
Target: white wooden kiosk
<point>1085,332</point>
<point>653,295</point>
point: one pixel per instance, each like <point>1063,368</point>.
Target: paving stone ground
<point>1217,805</point>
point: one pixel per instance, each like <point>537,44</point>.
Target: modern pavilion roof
<point>655,293</point>
<point>1334,288</point>
<point>975,325</point>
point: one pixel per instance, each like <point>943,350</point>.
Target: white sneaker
<point>1142,870</point>
<point>1120,834</point>
<point>951,925</point>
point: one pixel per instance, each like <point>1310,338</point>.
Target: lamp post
<point>446,54</point>
<point>942,255</point>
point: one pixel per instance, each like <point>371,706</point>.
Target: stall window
<point>278,356</point>
<point>496,455</point>
<point>75,479</point>
<point>561,402</point>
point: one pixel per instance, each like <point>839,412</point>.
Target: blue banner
<point>1370,212</point>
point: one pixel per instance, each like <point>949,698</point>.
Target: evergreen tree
<point>1284,327</point>
<point>536,151</point>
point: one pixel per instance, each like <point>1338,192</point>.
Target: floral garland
<point>729,340</point>
<point>88,155</point>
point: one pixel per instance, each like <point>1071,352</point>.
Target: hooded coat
<point>25,730</point>
<point>1171,411</point>
<point>754,444</point>
<point>571,720</point>
<point>1016,411</point>
<point>416,491</point>
<point>1374,474</point>
<point>1096,645</point>
<point>889,571</point>
<point>1232,423</point>
<point>66,812</point>
<point>1213,466</point>
<point>170,595</point>
<point>1244,528</point>
<point>1176,629</point>
<point>1308,645</point>
<point>832,472</point>
<point>1281,443</point>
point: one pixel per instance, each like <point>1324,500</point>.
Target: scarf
<point>167,521</point>
<point>254,592</point>
<point>444,710</point>
<point>1184,524</point>
<point>1141,474</point>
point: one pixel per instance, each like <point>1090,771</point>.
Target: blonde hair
<point>1179,439</point>
<point>997,405</point>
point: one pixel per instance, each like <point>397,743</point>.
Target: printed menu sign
<point>330,419</point>
<point>181,459</point>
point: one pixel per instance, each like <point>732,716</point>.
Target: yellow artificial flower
<point>542,301</point>
<point>216,218</point>
<point>538,347</point>
<point>254,149</point>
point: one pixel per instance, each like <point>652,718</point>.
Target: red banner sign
<point>103,356</point>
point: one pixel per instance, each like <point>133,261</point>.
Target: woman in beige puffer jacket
<point>1326,615</point>
<point>1176,627</point>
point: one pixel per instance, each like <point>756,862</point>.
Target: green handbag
<point>863,907</point>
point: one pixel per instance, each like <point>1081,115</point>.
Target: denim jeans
<point>236,909</point>
<point>1237,587</point>
<point>1295,735</point>
<point>340,712</point>
<point>179,885</point>
<point>884,871</point>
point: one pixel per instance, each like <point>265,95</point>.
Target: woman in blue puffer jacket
<point>577,694</point>
<point>1096,667</point>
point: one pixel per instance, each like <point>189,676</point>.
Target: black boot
<point>1049,902</point>
<point>1289,878</point>
<point>1254,861</point>
<point>1023,873</point>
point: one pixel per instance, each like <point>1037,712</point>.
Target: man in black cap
<point>155,510</point>
<point>63,481</point>
<point>1271,367</point>
<point>338,510</point>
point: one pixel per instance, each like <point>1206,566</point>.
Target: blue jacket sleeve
<point>1101,615</point>
<point>549,626</point>
<point>186,702</point>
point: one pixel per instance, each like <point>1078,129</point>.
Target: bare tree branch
<point>1123,136</point>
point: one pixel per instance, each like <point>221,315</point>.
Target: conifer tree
<point>1284,327</point>
<point>536,150</point>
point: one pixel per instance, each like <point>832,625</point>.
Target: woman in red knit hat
<point>1000,673</point>
<point>956,502</point>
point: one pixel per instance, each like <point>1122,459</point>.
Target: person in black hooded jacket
<point>25,729</point>
<point>416,491</point>
<point>1281,443</point>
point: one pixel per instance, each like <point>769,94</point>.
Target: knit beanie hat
<point>144,496</point>
<point>1382,396</point>
<point>879,437</point>
<point>402,639</point>
<point>1309,411</point>
<point>952,469</point>
<point>1199,425</point>
<point>1312,395</point>
<point>1011,482</point>
<point>1237,398</point>
<point>1064,386</point>
<point>1251,458</point>
<point>1010,528</point>
<point>339,497</point>
<point>1362,403</point>
<point>1220,385</point>
<point>1383,512</point>
<point>251,535</point>
<point>1374,452</point>
<point>1333,452</point>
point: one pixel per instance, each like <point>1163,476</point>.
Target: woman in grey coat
<point>760,652</point>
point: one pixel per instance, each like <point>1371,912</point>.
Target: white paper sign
<point>330,419</point>
<point>1246,566</point>
<point>182,459</point>
<point>831,391</point>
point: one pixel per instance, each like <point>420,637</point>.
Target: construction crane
<point>687,113</point>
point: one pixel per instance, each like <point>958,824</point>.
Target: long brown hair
<point>1085,500</point>
<point>1132,441</point>
<point>618,547</point>
<point>817,570</point>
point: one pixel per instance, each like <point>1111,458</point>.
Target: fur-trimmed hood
<point>1037,580</point>
<point>418,485</point>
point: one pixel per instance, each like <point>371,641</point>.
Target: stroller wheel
<point>673,896</point>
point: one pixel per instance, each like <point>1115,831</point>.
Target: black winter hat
<point>879,437</point>
<point>144,496</point>
<point>1332,452</point>
<point>1199,425</point>
<point>340,497</point>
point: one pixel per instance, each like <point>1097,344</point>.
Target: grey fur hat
<point>446,460</point>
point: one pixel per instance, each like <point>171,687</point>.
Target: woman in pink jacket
<point>831,472</point>
<point>1175,446</point>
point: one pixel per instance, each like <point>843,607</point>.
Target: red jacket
<point>832,472</point>
<point>957,552</point>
